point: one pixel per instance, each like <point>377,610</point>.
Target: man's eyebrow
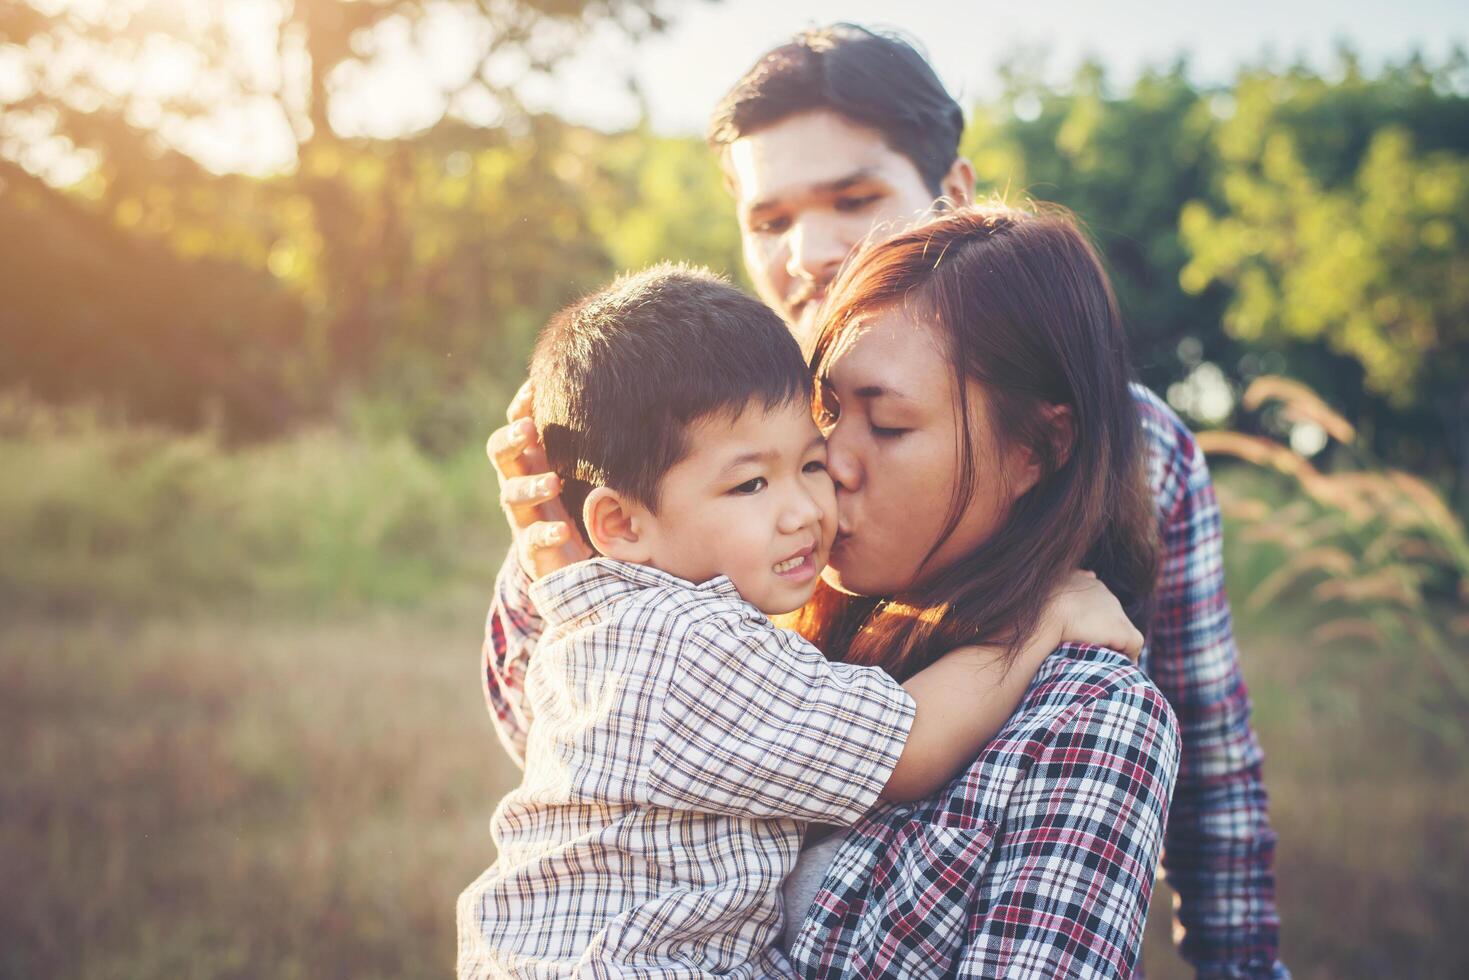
<point>824,187</point>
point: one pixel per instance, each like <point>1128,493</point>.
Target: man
<point>841,134</point>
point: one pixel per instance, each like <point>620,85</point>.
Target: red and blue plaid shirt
<point>1059,892</point>
<point>1037,862</point>
<point>1220,852</point>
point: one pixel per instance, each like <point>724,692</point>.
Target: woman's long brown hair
<point>1026,310</point>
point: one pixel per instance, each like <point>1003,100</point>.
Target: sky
<point>685,71</point>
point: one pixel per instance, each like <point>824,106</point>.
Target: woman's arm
<point>1066,890</point>
<point>965,698</point>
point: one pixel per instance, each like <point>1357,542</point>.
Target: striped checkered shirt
<point>1036,862</point>
<point>1220,846</point>
<point>674,743</point>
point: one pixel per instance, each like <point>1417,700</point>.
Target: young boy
<point>678,741</point>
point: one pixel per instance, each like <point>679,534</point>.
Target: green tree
<point>157,283</point>
<point>1124,163</point>
<point>1342,222</point>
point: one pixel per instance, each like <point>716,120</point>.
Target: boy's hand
<point>1085,611</point>
<point>545,536</point>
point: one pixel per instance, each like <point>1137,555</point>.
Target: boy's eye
<point>770,226</point>
<point>751,486</point>
<point>815,466</point>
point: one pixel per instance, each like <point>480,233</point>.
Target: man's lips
<point>810,297</point>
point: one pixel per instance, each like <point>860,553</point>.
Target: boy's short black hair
<point>876,79</point>
<point>621,375</point>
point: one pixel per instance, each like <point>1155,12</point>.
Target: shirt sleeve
<point>512,630</point>
<point>1067,890</point>
<point>757,723</point>
<point>1219,855</point>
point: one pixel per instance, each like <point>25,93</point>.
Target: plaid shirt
<point>1220,847</point>
<point>1037,862</point>
<point>676,740</point>
<point>1220,851</point>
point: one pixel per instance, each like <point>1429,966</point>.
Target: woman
<point>973,385</point>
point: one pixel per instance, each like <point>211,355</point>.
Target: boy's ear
<point>615,526</point>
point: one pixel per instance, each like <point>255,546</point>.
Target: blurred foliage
<point>1125,164</point>
<point>1296,221</point>
<point>174,293</point>
<point>137,519</point>
<point>1359,557</point>
<point>1314,223</point>
<point>1346,224</point>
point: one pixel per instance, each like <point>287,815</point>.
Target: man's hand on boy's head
<point>530,495</point>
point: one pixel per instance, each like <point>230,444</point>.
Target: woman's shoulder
<point>1081,681</point>
<point>1085,670</point>
<point>1089,716</point>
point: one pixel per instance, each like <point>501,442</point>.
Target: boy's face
<point>753,501</point>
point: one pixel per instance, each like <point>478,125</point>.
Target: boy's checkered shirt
<point>674,741</point>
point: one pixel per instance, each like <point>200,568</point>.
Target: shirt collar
<point>580,589</point>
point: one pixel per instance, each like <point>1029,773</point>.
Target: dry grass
<point>1361,555</point>
<point>241,799</point>
<point>286,799</point>
<point>1373,825</point>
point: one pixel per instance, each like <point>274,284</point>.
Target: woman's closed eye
<point>885,432</point>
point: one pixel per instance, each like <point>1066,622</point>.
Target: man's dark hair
<point>621,375</point>
<point>875,79</point>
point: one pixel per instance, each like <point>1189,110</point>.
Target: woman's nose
<point>842,463</point>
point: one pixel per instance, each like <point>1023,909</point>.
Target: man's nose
<point>817,250</point>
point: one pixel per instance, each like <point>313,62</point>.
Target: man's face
<point>808,190</point>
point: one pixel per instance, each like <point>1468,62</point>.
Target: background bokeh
<point>259,309</point>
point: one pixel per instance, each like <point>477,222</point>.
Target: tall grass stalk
<point>1376,553</point>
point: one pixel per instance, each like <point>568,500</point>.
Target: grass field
<point>248,796</point>
<point>241,799</point>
